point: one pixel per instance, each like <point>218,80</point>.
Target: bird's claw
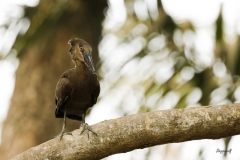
<point>87,128</point>
<point>61,135</point>
<point>66,133</point>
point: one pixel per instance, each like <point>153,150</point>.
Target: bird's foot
<point>66,133</point>
<point>62,134</point>
<point>87,128</point>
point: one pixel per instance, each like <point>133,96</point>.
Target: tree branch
<point>141,130</point>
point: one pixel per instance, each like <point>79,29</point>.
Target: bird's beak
<point>89,61</point>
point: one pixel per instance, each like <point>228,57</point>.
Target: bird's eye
<point>64,76</point>
<point>81,48</point>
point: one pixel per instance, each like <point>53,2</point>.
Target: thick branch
<point>140,131</point>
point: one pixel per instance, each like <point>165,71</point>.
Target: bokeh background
<point>149,55</point>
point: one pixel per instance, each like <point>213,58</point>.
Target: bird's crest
<point>74,41</point>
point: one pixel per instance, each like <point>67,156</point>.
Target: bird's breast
<point>82,87</point>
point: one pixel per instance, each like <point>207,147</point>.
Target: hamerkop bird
<point>77,89</point>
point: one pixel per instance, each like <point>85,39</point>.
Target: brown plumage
<point>77,89</point>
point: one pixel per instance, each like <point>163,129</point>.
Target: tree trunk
<point>30,120</point>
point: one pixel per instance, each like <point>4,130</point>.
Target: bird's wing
<point>96,91</point>
<point>63,91</point>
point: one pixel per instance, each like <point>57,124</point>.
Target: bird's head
<point>81,51</point>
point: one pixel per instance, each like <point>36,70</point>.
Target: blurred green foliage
<point>165,73</point>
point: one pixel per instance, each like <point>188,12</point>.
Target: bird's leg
<point>86,127</point>
<point>64,125</point>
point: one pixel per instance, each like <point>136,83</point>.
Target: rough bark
<point>30,120</point>
<point>140,131</point>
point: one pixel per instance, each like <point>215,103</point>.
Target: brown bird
<point>77,89</point>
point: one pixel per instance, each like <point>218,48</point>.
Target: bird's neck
<point>81,66</point>
<point>78,63</point>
